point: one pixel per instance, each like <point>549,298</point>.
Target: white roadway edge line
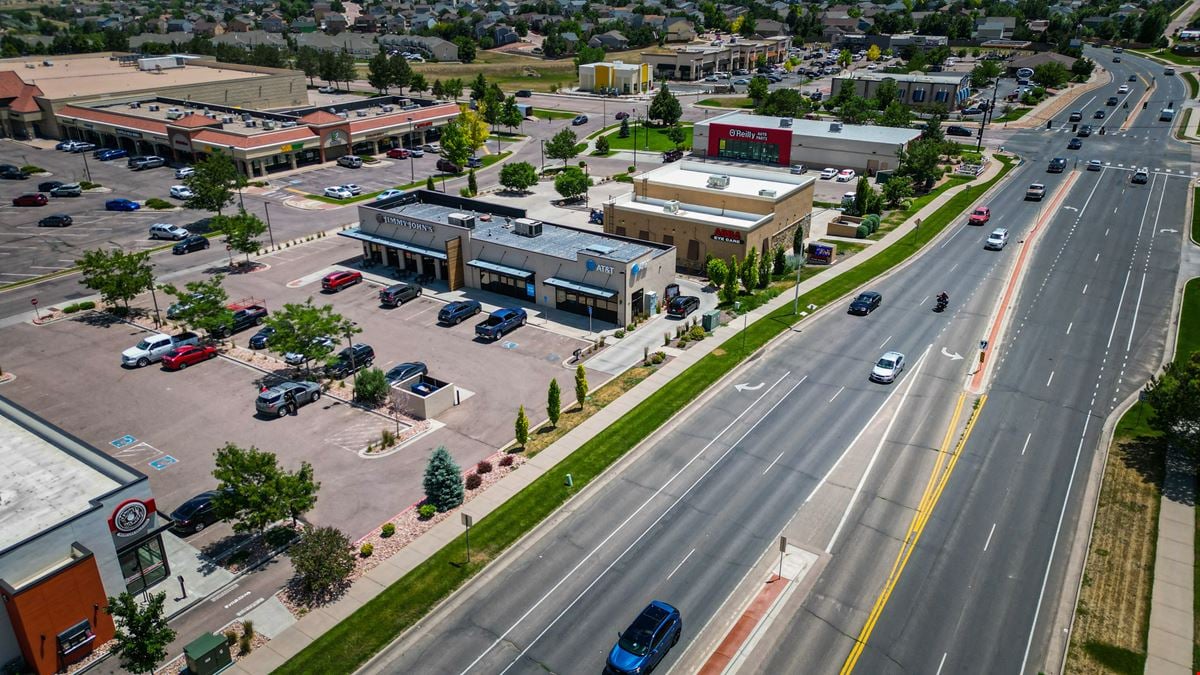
<point>956,233</point>
<point>685,559</point>
<point>772,464</point>
<point>623,523</point>
<point>1026,446</point>
<point>1138,305</point>
<point>989,537</point>
<point>646,531</point>
<point>1067,497</point>
<point>912,380</point>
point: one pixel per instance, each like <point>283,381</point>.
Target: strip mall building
<point>76,526</point>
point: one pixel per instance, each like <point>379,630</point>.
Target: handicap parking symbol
<point>123,441</point>
<point>510,345</point>
<point>163,462</point>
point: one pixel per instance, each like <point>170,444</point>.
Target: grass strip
<point>371,195</point>
<point>1193,84</point>
<point>1189,322</point>
<point>1167,55</point>
<point>1196,215</point>
<point>1013,115</point>
<point>552,114</point>
<point>355,639</point>
<point>656,142</point>
<point>727,102</point>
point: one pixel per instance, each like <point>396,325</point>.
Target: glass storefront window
<point>749,151</point>
<point>577,303</point>
<point>506,285</point>
<point>144,565</point>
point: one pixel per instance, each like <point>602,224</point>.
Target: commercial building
<point>695,62</point>
<point>75,527</point>
<point>34,89</point>
<point>916,89</point>
<point>710,209</point>
<point>616,77</point>
<point>783,141</point>
<point>467,243</point>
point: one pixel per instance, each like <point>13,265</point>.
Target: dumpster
<point>207,654</point>
<point>711,320</point>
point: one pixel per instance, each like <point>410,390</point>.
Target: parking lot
<point>177,420</point>
<point>27,250</point>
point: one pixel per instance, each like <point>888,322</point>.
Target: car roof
<point>1000,230</point>
<point>892,355</point>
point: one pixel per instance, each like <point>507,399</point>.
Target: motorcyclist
<point>943,298</point>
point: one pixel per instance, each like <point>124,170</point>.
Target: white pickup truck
<point>154,347</point>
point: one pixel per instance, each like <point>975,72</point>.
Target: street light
<point>86,170</point>
<point>412,172</point>
<point>349,326</point>
<point>270,232</point>
<point>241,202</point>
<point>544,156</point>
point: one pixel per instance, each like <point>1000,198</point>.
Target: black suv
<point>682,305</point>
<point>394,296</point>
<point>10,172</point>
<point>672,156</point>
<point>194,242</point>
<point>351,359</point>
<point>1057,165</point>
<point>958,131</point>
<point>457,311</point>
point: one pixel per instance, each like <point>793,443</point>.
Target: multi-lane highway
<point>693,511</point>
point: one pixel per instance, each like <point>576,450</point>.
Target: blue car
<point>121,204</point>
<point>647,640</point>
<point>107,154</point>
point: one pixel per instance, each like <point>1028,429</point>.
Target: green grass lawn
<point>1193,84</point>
<point>354,640</point>
<point>727,102</point>
<point>1013,115</point>
<point>1196,215</point>
<point>1181,128</point>
<point>489,160</point>
<point>1189,322</point>
<point>549,114</point>
<point>1166,55</point>
<point>371,195</point>
<point>657,141</point>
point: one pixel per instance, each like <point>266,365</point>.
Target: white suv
<point>181,192</point>
<point>168,231</point>
<point>997,240</point>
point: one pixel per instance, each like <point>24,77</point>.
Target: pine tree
<point>729,290</point>
<point>764,271</point>
<point>602,145</point>
<point>522,427</point>
<point>472,185</point>
<point>553,402</point>
<point>429,183</point>
<point>443,481</point>
<point>750,270</point>
<point>581,385</point>
<point>780,265</point>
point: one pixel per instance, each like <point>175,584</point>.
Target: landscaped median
<point>366,631</point>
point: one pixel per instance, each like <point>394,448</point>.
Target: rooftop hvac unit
<point>153,107</point>
<point>388,108</point>
<point>785,122</point>
<point>246,117</point>
<point>289,123</point>
<point>361,113</point>
<point>343,115</point>
<point>268,124</point>
<point>461,220</point>
<point>227,119</point>
<point>31,66</point>
<point>251,123</point>
<point>835,127</point>
<point>719,182</point>
<point>174,114</point>
<point>135,104</point>
<point>672,206</point>
<point>527,227</point>
<point>766,193</point>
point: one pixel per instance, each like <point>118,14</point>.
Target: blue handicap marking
<point>510,345</point>
<point>163,462</point>
<point>123,441</point>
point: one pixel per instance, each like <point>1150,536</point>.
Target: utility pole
<point>987,116</point>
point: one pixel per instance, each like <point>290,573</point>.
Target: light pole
<point>412,172</point>
<point>240,180</point>
<point>354,369</point>
<point>635,128</point>
<point>544,156</point>
<point>86,170</point>
<point>270,232</point>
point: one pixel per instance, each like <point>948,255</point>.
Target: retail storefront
<point>466,243</point>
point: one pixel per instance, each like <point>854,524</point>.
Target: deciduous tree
<point>562,146</point>
<point>1173,395</point>
<point>518,176</point>
<point>581,385</point>
<point>116,275</point>
<point>664,107</point>
<point>302,329</point>
<point>571,182</point>
<point>379,72</point>
<point>241,232</point>
<point>254,491</point>
<point>323,561</point>
<point>213,183</point>
<point>142,633</point>
<point>202,305</point>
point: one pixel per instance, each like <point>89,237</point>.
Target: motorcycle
<point>941,305</point>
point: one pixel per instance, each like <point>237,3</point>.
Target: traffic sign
<point>33,301</point>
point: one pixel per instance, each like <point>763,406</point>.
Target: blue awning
<point>586,289</point>
<point>357,233</point>
<point>500,269</point>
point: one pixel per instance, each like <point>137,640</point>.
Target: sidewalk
<point>316,622</point>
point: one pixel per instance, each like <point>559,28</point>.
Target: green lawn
<point>1189,322</point>
<point>549,114</point>
<point>489,160</point>
<point>1013,115</point>
<point>1166,55</point>
<point>370,195</point>
<point>727,102</point>
<point>657,141</point>
<point>1196,215</point>
<point>354,640</point>
<point>1181,128</point>
<point>1193,84</point>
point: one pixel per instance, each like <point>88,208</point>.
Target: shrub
<point>257,183</point>
<point>387,439</point>
<point>658,357</point>
<point>623,178</point>
<point>387,530</point>
<point>160,204</point>
<point>862,231</point>
<point>464,192</point>
<point>483,467</point>
<point>630,169</point>
<point>71,308</point>
<point>630,326</point>
<point>323,560</point>
<point>683,340</point>
<point>371,388</point>
<point>32,168</point>
<point>474,481</point>
<point>620,333</point>
<point>366,550</point>
<point>88,185</point>
<point>247,629</point>
<point>696,333</point>
<point>506,460</point>
<point>426,511</point>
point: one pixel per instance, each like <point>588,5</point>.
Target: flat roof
<point>742,181</point>
<point>953,77</point>
<point>801,127</point>
<point>722,218</point>
<point>47,476</point>
<point>69,76</point>
<point>555,240</point>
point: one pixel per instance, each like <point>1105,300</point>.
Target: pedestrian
<point>289,398</point>
<point>262,388</point>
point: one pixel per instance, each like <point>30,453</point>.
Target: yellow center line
<point>938,479</point>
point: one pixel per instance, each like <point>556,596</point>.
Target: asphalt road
<point>687,518</point>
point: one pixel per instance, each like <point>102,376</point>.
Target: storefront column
<point>292,160</point>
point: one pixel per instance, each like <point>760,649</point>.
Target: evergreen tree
<point>472,184</point>
<point>764,271</point>
<point>780,263</point>
<point>750,270</point>
<point>553,402</point>
<point>522,427</point>
<point>664,107</point>
<point>581,385</point>
<point>624,131</point>
<point>602,145</point>
<point>443,481</point>
<point>429,183</point>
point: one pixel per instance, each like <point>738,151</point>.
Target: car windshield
<point>636,640</point>
<point>888,364</point>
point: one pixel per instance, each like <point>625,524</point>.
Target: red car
<point>979,216</point>
<point>336,281</point>
<point>37,199</point>
<point>182,357</point>
<point>397,153</point>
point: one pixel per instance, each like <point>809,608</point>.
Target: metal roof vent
<point>835,127</point>
<point>718,182</point>
<point>671,206</point>
<point>785,122</point>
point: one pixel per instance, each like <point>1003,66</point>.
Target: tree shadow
<point>1146,456</point>
<point>101,319</point>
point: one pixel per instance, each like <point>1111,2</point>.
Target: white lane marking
<point>924,300</point>
<point>955,267</point>
<point>251,606</point>
<point>1069,327</point>
<point>838,392</point>
<point>1050,379</point>
<point>1138,305</point>
<point>989,537</point>
<point>1085,289</point>
<point>912,379</point>
<point>236,600</point>
<point>941,663</point>
<point>1097,258</point>
<point>951,237</point>
<point>1023,447</point>
<point>1106,231</point>
<point>685,559</point>
<point>504,636</point>
<point>772,464</point>
<point>1120,302</point>
<point>881,344</point>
